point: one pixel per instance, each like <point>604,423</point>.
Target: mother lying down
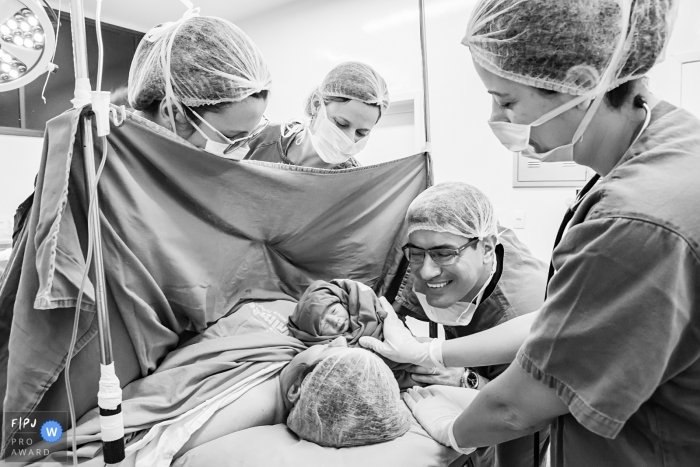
<point>250,370</point>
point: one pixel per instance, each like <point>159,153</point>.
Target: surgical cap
<point>352,80</point>
<point>350,399</point>
<point>453,207</point>
<point>209,61</point>
<point>566,46</point>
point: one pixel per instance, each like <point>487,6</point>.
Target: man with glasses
<point>469,274</point>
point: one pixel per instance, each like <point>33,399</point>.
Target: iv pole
<point>433,327</point>
<point>110,417</point>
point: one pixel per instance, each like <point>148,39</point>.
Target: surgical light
<point>26,42</point>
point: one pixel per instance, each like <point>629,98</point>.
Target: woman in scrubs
<point>611,361</point>
<point>342,112</point>
<point>215,89</point>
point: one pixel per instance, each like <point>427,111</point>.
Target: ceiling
<point>141,15</point>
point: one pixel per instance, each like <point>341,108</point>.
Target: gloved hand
<point>400,346</point>
<point>437,414</point>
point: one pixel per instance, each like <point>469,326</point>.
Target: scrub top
<point>517,288</point>
<point>272,146</point>
<point>619,335</point>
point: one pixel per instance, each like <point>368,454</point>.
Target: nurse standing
<point>342,112</point>
<point>612,360</point>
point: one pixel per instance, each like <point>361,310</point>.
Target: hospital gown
<point>619,335</point>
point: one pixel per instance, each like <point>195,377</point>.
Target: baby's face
<point>335,320</point>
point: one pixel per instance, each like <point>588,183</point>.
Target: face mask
<point>216,148</point>
<point>459,314</point>
<point>516,137</point>
<point>332,145</point>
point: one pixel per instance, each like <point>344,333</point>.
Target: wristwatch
<point>469,379</point>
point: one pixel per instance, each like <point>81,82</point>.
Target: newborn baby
<point>341,307</point>
<point>350,398</point>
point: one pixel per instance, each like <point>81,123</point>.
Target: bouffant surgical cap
<point>196,61</point>
<point>351,398</point>
<point>453,207</point>
<point>567,46</point>
<point>352,80</point>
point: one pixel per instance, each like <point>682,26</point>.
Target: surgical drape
<point>186,237</point>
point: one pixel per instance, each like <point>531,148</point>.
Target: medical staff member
<point>342,112</point>
<point>203,79</point>
<point>612,360</point>
<point>470,275</point>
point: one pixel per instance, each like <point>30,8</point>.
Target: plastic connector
<point>100,105</point>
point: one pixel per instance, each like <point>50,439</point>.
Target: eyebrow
<point>450,247</point>
<point>499,94</point>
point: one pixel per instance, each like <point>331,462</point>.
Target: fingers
<point>372,344</point>
<point>421,370</point>
<point>408,399</point>
<point>391,314</point>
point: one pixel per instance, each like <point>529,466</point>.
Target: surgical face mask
<point>459,314</point>
<point>516,137</point>
<point>332,145</point>
<point>224,149</point>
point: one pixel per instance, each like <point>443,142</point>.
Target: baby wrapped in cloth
<point>339,307</point>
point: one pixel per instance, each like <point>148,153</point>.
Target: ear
<point>294,392</point>
<point>180,120</point>
<point>489,244</point>
<point>315,104</point>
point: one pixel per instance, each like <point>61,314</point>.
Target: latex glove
<point>436,375</point>
<point>400,346</point>
<point>437,414</point>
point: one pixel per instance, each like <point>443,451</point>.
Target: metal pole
<point>109,395</point>
<point>424,56</point>
<point>432,327</point>
<point>81,73</point>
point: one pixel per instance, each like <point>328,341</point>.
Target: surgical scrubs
<point>619,335</point>
<point>272,146</point>
<point>516,288</point>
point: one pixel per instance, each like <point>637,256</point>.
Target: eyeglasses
<point>239,142</point>
<point>440,256</point>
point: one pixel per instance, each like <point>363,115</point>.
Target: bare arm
<point>494,346</point>
<point>511,406</point>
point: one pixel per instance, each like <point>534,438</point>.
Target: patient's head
<point>351,398</point>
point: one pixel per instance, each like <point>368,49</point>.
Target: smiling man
<point>470,275</point>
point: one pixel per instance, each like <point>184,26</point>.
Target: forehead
<point>497,85</point>
<point>357,113</point>
<point>238,117</point>
<point>427,239</point>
